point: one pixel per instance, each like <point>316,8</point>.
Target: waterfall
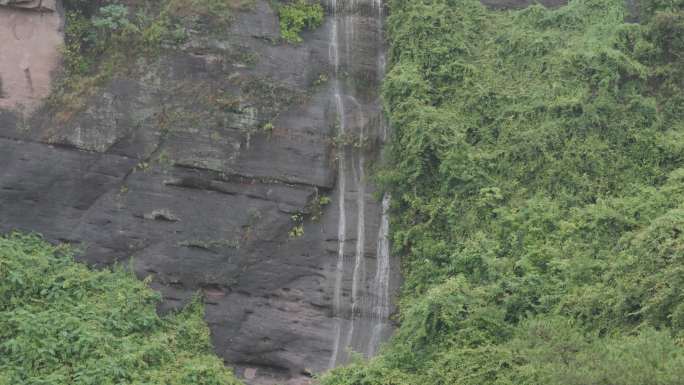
<point>361,302</point>
<point>341,239</point>
<point>381,305</point>
<point>358,274</point>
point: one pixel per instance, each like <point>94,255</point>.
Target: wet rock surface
<point>207,165</point>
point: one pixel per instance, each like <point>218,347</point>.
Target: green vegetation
<point>107,38</point>
<point>316,206</point>
<point>297,230</point>
<point>61,323</point>
<point>297,16</point>
<point>537,172</point>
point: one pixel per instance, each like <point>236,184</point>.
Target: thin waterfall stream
<point>361,303</point>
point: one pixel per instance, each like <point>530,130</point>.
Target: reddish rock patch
<point>29,51</point>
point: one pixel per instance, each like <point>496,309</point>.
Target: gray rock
<point>201,164</point>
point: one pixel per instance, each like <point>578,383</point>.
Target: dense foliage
<point>298,16</point>
<point>537,173</point>
<point>61,323</point>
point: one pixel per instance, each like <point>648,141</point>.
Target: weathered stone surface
<point>49,189</point>
<point>33,5</point>
<point>29,51</point>
<point>194,164</point>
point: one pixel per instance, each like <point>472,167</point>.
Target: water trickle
<point>358,273</point>
<point>333,50</point>
<point>339,267</point>
<point>341,184</point>
<point>341,230</point>
<point>361,303</point>
<point>381,301</point>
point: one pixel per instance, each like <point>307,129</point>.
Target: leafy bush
<point>213,11</point>
<point>296,17</point>
<point>79,37</point>
<point>537,170</point>
<point>113,18</point>
<point>61,323</point>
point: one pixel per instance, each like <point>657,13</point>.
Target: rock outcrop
<point>31,33</point>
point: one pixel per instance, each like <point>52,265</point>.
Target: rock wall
<point>210,166</point>
<point>31,33</point>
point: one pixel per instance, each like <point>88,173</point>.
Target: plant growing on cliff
<point>297,229</point>
<point>64,324</point>
<point>317,205</point>
<point>342,140</point>
<point>106,38</point>
<point>113,19</point>
<point>298,16</point>
<point>215,11</point>
<point>79,36</point>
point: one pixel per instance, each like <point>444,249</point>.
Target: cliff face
<point>235,165</point>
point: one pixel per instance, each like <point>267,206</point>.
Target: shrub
<point>62,323</point>
<point>113,18</point>
<point>296,17</point>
